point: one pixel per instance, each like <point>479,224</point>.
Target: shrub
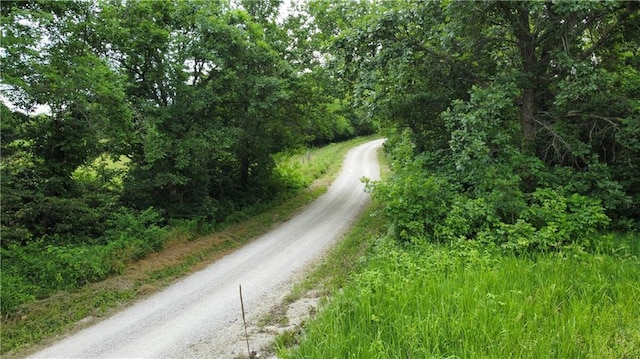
<point>428,208</point>
<point>141,231</point>
<point>414,204</point>
<point>553,222</point>
<point>40,268</point>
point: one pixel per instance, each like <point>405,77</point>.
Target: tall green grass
<point>439,302</point>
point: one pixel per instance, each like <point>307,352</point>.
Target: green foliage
<point>88,111</point>
<point>32,215</point>
<point>446,301</point>
<point>573,216</point>
<point>499,101</point>
<point>198,97</point>
<point>137,233</point>
<point>479,193</point>
<point>288,173</point>
<point>482,134</point>
<point>414,204</point>
<point>554,222</point>
<point>15,290</point>
<point>429,208</point>
<point>41,268</point>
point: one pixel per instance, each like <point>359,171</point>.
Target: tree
<point>501,100</point>
<point>212,99</point>
<point>48,62</point>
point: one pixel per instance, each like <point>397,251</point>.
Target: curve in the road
<point>202,311</point>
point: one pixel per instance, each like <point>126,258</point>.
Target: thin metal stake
<point>246,335</point>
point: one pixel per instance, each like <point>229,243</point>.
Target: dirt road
<point>200,316</point>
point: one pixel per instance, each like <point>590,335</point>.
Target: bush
<point>428,208</point>
<point>414,204</point>
<point>140,231</point>
<point>40,268</point>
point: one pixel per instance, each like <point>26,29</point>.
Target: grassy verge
<point>328,277</point>
<point>39,322</point>
<point>332,273</point>
<point>439,301</point>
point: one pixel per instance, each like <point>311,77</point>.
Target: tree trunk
<point>527,44</point>
<point>528,122</point>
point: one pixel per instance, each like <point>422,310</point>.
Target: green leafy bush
<point>414,204</point>
<point>37,270</point>
<point>40,268</point>
<point>139,231</point>
<point>465,218</point>
<point>554,222</point>
<point>428,208</point>
<point>485,189</point>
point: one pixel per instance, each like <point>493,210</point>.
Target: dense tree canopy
<point>520,117</point>
<point>189,99</point>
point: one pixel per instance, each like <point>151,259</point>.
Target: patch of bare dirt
<point>286,319</point>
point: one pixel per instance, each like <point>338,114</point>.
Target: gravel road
<point>200,316</point>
